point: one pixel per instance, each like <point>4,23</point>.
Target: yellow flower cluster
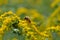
<point>33,30</point>
<point>10,17</point>
<point>25,25</point>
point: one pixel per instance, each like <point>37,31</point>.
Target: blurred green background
<point>42,6</point>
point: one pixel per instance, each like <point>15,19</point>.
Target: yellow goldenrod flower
<point>26,28</point>
<point>7,20</point>
<point>58,28</point>
<point>1,31</point>
<point>3,14</point>
<point>30,33</point>
<point>3,27</point>
<point>0,17</point>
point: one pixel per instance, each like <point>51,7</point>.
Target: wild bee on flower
<point>27,19</point>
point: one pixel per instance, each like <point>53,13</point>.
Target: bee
<point>27,19</point>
